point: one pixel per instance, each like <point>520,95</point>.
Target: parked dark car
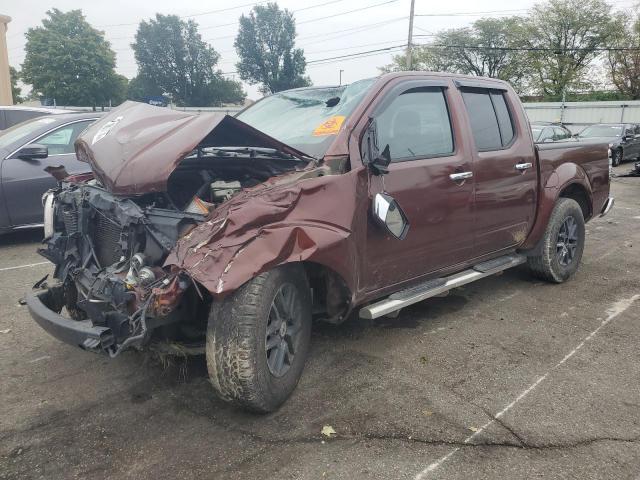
<point>549,132</point>
<point>26,150</point>
<point>12,115</point>
<point>229,235</point>
<point>623,139</point>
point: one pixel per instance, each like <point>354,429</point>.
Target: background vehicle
<point>623,139</point>
<point>310,204</point>
<point>549,132</point>
<point>25,151</point>
<point>12,115</point>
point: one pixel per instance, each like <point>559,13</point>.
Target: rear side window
<point>504,118</point>
<point>416,125</point>
<point>490,118</point>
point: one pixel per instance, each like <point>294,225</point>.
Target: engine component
<point>198,205</point>
<point>146,276</point>
<point>135,266</point>
<point>221,190</point>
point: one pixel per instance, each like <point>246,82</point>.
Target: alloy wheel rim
<point>283,330</point>
<point>567,241</point>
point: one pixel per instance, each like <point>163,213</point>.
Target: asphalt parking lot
<point>506,378</point>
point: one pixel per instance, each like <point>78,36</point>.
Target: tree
<point>173,60</point>
<point>15,89</point>
<point>483,49</point>
<point>70,61</point>
<point>266,47</point>
<point>564,37</point>
<point>624,65</point>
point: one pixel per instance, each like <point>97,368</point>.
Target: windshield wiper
<point>253,152</point>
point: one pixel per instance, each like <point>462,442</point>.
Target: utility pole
<point>340,83</point>
<point>5,75</point>
<point>410,39</point>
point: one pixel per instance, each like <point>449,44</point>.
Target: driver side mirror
<point>390,216</point>
<point>33,151</point>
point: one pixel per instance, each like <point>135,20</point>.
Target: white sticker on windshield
<point>105,129</point>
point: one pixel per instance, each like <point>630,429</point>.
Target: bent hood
<point>135,148</point>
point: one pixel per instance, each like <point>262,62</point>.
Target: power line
<point>530,49</point>
<point>209,12</point>
<point>340,57</point>
<point>465,14</point>
<point>311,20</point>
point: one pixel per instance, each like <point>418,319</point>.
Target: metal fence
<point>577,115</point>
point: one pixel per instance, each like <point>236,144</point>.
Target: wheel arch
<point>576,191</point>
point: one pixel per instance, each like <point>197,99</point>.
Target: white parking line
<point>616,309</point>
<point>23,266</point>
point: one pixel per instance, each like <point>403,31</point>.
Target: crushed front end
<point>108,253</point>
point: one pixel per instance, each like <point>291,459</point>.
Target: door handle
<point>523,166</point>
<point>458,177</point>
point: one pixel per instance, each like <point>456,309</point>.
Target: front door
<point>25,181</point>
<point>415,120</point>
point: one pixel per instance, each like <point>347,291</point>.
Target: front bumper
<point>608,205</point>
<point>43,307</point>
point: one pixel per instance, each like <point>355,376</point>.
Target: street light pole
<point>340,83</point>
<point>410,39</point>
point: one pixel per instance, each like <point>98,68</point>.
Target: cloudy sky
<point>326,28</point>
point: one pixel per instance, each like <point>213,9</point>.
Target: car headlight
<point>48,201</point>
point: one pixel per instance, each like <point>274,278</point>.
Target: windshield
<point>536,132</point>
<point>601,131</point>
<point>306,119</point>
<point>21,130</point>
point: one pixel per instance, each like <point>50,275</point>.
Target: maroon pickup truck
<point>229,235</point>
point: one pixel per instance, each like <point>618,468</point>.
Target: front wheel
<point>258,339</point>
<point>562,244</point>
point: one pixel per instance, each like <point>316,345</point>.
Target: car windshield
<point>24,129</point>
<point>601,131</point>
<point>306,119</point>
<point>536,132</point>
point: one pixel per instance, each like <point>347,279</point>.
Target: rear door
<point>24,181</point>
<point>420,123</point>
<point>504,170</point>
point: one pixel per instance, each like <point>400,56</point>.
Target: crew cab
<point>230,235</point>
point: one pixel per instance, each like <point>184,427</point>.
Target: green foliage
<point>266,47</point>
<point>70,61</point>
<point>173,60</point>
<point>624,65</point>
<point>567,34</point>
<point>475,50</point>
<point>15,90</point>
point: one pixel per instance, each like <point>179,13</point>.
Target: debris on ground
<point>328,431</point>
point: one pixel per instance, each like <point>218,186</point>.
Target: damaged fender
<point>265,227</point>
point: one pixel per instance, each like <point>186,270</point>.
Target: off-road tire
<point>236,336</point>
<point>546,265</point>
<point>616,157</point>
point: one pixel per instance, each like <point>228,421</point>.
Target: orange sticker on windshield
<point>330,127</point>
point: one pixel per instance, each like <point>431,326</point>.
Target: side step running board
<point>431,288</point>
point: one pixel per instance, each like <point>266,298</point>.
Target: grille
<point>70,219</point>
<point>106,240</point>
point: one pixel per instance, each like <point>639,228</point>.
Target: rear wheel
<point>562,244</point>
<point>258,339</point>
<point>616,157</point>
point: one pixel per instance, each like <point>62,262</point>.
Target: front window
<point>601,131</point>
<point>60,141</point>
<point>22,130</point>
<point>306,119</point>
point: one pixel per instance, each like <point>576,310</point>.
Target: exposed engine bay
<point>109,250</point>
